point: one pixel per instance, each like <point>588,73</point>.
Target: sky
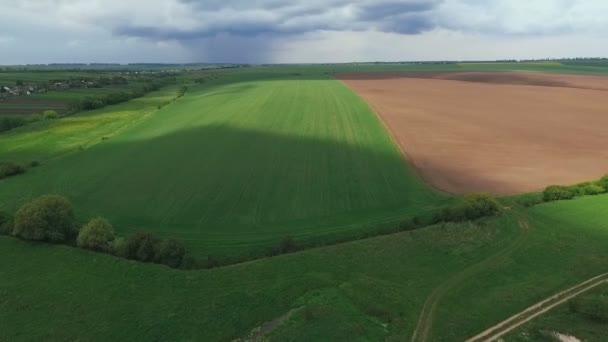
<point>298,31</point>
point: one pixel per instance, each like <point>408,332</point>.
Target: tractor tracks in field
<point>506,326</point>
<point>427,315</point>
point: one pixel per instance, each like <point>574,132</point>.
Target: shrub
<point>171,253</point>
<point>96,235</point>
<point>529,199</point>
<point>558,192</point>
<point>46,218</point>
<point>474,206</point>
<point>142,246</point>
<point>8,169</point>
<point>182,91</point>
<point>287,245</point>
<point>591,189</point>
<point>8,123</point>
<point>50,115</point>
<point>34,163</point>
<point>603,182</point>
<point>118,247</point>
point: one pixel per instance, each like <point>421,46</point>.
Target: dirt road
<point>495,332</point>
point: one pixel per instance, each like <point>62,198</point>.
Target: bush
<point>171,253</point>
<point>474,206</point>
<point>34,163</point>
<point>142,246</point>
<point>558,192</point>
<point>118,247</point>
<point>589,189</point>
<point>8,169</point>
<point>46,218</point>
<point>603,182</point>
<point>286,245</point>
<point>8,123</point>
<point>96,235</point>
<point>529,199</point>
<point>50,115</point>
<point>182,91</point>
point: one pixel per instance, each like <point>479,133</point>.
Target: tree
<point>96,235</point>
<point>171,253</point>
<point>141,246</point>
<point>46,218</point>
<point>50,114</point>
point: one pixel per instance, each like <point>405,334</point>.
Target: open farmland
<point>237,166</point>
<point>497,132</point>
<point>373,289</point>
<point>245,159</point>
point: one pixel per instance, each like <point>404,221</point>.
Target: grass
<point>566,244</point>
<point>370,289</point>
<point>50,139</point>
<point>242,161</point>
<point>232,168</point>
<point>98,297</point>
<point>564,321</point>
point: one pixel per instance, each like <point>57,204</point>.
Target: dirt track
<point>505,133</point>
<point>508,325</point>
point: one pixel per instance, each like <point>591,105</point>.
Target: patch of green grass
<point>565,321</point>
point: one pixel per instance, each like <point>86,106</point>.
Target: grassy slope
<point>368,289</point>
<point>46,140</point>
<point>61,293</point>
<point>237,166</point>
<point>566,244</point>
<point>563,320</point>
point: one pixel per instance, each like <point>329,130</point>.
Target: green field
<point>369,289</point>
<point>247,158</point>
<point>232,167</point>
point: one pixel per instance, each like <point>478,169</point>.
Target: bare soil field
<point>499,132</point>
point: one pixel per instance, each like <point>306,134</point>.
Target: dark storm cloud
<point>276,18</point>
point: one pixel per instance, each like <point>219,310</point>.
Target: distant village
<point>25,89</point>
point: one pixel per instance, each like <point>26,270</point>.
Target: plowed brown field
<point>506,132</point>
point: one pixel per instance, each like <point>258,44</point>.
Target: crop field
<point>250,157</point>
<point>370,289</point>
<point>494,132</point>
<point>242,165</point>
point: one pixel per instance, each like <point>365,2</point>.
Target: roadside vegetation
<point>584,318</point>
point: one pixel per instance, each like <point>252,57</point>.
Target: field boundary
<point>407,158</point>
<point>425,322</point>
<point>537,309</point>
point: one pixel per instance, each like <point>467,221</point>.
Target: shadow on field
<point>225,189</point>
